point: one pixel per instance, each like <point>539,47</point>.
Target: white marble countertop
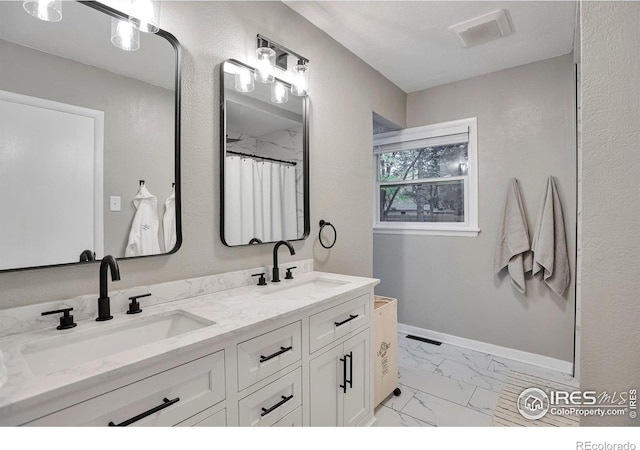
<point>234,311</point>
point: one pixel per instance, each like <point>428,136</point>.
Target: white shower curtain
<point>260,201</point>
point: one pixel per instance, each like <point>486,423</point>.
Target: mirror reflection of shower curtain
<point>260,201</point>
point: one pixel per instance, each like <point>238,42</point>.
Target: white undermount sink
<point>315,286</point>
<point>77,347</point>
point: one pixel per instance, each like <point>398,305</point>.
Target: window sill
<point>464,232</point>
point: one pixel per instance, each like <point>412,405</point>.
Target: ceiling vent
<point>485,28</point>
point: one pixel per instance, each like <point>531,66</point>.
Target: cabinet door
<point>325,394</point>
<point>357,398</point>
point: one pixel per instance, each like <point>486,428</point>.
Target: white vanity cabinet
<point>340,383</point>
<point>164,399</point>
<point>308,365</point>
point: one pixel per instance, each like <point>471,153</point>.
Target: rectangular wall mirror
<point>82,123</point>
<point>264,159</point>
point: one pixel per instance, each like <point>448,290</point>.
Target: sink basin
<point>316,286</point>
<point>64,352</point>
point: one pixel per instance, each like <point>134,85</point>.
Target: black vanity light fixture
<point>47,10</point>
<point>271,55</point>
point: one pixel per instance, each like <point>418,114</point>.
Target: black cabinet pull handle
<point>164,405</point>
<point>344,374</point>
<point>284,400</point>
<point>351,317</point>
<point>350,380</point>
<point>278,353</point>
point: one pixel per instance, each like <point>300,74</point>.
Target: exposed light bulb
<point>124,35</point>
<point>244,80</point>
<point>266,67</point>
<point>145,15</point>
<point>300,86</point>
<point>47,10</point>
<point>279,93</point>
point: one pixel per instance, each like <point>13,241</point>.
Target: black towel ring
<point>335,238</point>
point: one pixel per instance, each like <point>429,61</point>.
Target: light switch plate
<point>115,203</point>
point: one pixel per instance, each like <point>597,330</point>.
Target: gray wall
<point>134,149</point>
<point>526,129</point>
<point>611,200</point>
<point>344,92</point>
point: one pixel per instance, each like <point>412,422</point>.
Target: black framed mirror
<point>264,159</point>
<point>89,138</point>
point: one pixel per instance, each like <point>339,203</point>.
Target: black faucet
<point>104,309</point>
<point>275,278</point>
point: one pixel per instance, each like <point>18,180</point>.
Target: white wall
<point>344,92</point>
<point>611,200</point>
<point>526,130</point>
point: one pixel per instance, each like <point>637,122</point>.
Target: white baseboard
<point>505,352</point>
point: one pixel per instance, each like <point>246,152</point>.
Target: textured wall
<point>526,129</point>
<point>344,92</point>
<point>611,200</point>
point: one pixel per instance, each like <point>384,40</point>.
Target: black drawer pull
<point>278,353</point>
<point>166,404</point>
<point>344,374</point>
<point>350,380</point>
<point>351,317</point>
<point>284,400</point>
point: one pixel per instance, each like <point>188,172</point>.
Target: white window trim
<point>470,227</point>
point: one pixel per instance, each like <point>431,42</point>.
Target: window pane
<point>423,202</point>
<point>430,162</point>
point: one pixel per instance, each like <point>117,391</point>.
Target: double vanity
<point>223,350</point>
<point>214,351</point>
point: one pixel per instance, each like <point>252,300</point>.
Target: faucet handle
<point>261,281</point>
<point>66,321</point>
<point>289,275</point>
<point>134,306</point>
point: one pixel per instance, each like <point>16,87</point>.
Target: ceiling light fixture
<point>271,55</point>
<point>145,15</point>
<point>124,35</point>
<point>47,10</point>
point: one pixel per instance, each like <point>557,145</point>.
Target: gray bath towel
<point>512,247</point>
<point>550,256</point>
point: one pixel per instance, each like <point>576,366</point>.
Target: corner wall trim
<point>496,350</point>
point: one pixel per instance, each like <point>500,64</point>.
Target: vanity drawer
<point>267,354</point>
<point>293,419</point>
<point>206,419</point>
<point>197,385</point>
<point>273,402</point>
<point>327,326</point>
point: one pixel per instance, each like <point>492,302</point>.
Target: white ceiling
<point>409,42</point>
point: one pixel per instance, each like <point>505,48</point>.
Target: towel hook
<point>141,182</point>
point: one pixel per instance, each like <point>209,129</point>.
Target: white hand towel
<point>550,256</point>
<point>4,373</point>
<point>143,237</point>
<point>169,222</point>
<point>512,247</point>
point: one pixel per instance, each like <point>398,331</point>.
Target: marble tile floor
<point>450,386</point>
